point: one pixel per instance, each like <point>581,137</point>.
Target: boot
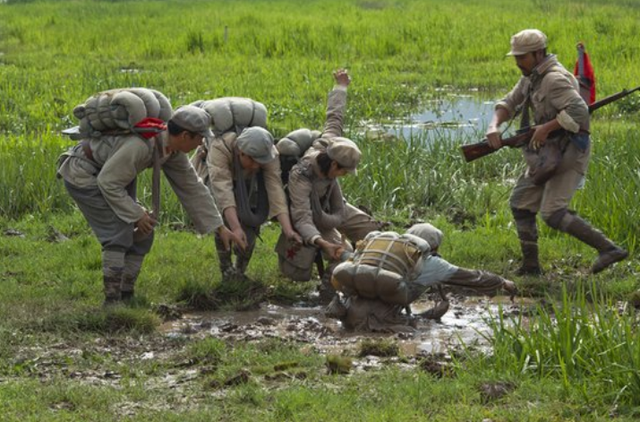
<point>112,270</point>
<point>326,290</point>
<point>609,252</point>
<point>132,266</point>
<point>243,258</point>
<point>528,235</point>
<point>224,257</point>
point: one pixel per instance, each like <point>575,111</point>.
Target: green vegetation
<point>62,357</point>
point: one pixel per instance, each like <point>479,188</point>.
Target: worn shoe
<point>607,258</point>
<point>437,311</point>
<point>527,270</point>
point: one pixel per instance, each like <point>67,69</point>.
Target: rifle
<point>480,149</point>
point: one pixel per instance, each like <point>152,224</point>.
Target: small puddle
<point>464,323</point>
<point>449,116</point>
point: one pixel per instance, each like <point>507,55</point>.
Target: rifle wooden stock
<point>478,150</point>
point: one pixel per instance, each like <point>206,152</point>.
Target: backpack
<point>292,147</point>
<point>233,114</point>
<point>382,267</point>
<point>229,117</point>
<point>121,111</point>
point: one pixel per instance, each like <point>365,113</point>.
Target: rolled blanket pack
<point>297,142</point>
<point>233,114</point>
<point>120,110</point>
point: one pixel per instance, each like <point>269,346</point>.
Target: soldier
<point>561,119</point>
<point>318,210</point>
<point>244,175</point>
<point>100,175</point>
<point>395,290</point>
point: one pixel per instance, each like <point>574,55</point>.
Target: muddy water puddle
<point>465,323</point>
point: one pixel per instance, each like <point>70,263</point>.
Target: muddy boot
<point>326,290</point>
<point>243,258</point>
<point>609,252</point>
<point>224,257</point>
<point>132,266</point>
<point>437,311</point>
<point>528,235</point>
<point>112,270</point>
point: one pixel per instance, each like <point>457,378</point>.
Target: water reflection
<point>448,115</point>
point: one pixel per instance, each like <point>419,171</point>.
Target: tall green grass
<point>584,341</point>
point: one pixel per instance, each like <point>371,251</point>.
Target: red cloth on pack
<point>150,127</point>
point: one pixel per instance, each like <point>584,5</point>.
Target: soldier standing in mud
<point>244,174</point>
<point>100,175</point>
<point>381,314</point>
<point>318,210</point>
<point>561,116</point>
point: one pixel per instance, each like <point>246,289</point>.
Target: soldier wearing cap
<point>100,175</point>
<point>382,314</point>
<point>319,211</point>
<point>244,175</point>
<point>549,94</point>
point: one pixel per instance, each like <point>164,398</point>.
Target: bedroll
<point>120,110</point>
<point>382,267</point>
<point>233,114</point>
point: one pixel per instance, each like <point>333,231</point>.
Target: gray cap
<point>257,143</point>
<point>527,41</point>
<point>345,152</point>
<point>428,232</point>
<point>194,120</point>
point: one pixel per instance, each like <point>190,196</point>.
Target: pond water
<point>449,115</point>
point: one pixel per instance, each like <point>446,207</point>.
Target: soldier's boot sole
<point>608,258</point>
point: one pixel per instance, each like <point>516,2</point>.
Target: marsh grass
<point>585,340</point>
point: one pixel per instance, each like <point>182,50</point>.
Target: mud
<point>464,323</point>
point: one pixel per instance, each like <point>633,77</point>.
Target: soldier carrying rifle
<point>561,122</point>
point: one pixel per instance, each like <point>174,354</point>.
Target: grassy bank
<point>62,357</point>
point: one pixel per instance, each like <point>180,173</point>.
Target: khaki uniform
<point>553,93</point>
<point>305,178</point>
<point>117,160</point>
<point>104,188</point>
<point>221,174</point>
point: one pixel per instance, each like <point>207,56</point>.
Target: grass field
<point>578,359</point>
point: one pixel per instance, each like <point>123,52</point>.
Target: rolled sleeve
<point>563,95</point>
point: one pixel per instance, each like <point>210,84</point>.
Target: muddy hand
<point>228,237</point>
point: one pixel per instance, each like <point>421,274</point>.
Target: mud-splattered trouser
<point>227,267</point>
<point>356,226</point>
<point>122,255</point>
<point>552,201</point>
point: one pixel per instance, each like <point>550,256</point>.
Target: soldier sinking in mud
<point>561,118</point>
<point>319,211</point>
<point>100,175</point>
<point>376,288</point>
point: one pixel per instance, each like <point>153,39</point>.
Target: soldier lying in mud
<point>389,271</point>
